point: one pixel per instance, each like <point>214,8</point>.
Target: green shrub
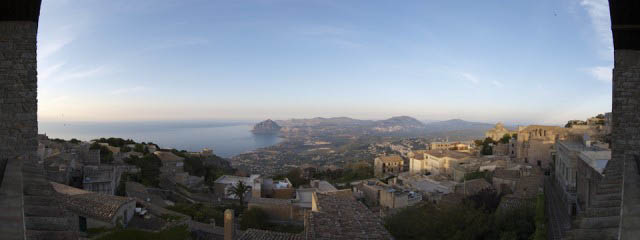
<point>254,218</point>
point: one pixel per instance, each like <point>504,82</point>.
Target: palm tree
<point>240,189</point>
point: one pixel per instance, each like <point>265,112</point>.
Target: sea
<point>226,138</point>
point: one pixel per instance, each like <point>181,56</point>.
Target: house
<point>101,179</point>
<point>472,187</point>
<point>95,210</point>
<point>171,163</point>
<point>504,180</point>
<point>394,197</point>
<point>439,161</point>
<point>226,182</point>
<point>388,165</point>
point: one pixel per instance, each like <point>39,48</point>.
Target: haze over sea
<point>227,138</point>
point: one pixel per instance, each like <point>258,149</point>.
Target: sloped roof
<point>340,216</point>
<point>390,158</point>
<point>506,174</point>
<point>167,156</point>
<point>473,186</point>
<point>255,234</point>
<point>90,204</point>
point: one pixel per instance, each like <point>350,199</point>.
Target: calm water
<point>225,138</point>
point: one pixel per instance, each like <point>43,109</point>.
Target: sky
<point>544,61</point>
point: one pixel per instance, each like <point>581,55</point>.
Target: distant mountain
<point>319,122</point>
<point>398,124</point>
<point>458,127</point>
<point>266,127</point>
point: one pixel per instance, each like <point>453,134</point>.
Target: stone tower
<point>28,209</point>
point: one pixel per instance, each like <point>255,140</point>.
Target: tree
<point>505,139</point>
<point>239,190</point>
<point>486,199</point>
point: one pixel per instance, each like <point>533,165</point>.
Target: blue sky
<point>543,61</point>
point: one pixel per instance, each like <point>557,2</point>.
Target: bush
<point>199,212</point>
<point>254,218</point>
<point>174,233</point>
<point>541,228</point>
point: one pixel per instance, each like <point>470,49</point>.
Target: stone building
<point>535,143</point>
<point>388,165</point>
<point>439,162</point>
<point>171,163</point>
<point>225,182</point>
<point>498,132</point>
<point>101,179</point>
<point>95,210</point>
<point>589,173</point>
<point>472,187</point>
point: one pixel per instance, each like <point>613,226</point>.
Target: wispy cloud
<point>338,36</point>
<point>52,41</point>
<point>601,73</point>
<point>470,77</point>
<point>598,11</point>
<point>128,90</point>
<point>80,74</point>
<point>173,43</point>
<point>346,43</point>
<point>497,83</point>
<point>49,71</point>
<point>323,30</point>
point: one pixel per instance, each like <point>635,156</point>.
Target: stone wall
<point>18,86</point>
<point>626,135</point>
<point>18,123</point>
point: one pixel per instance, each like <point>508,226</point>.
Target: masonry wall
<point>626,135</point>
<point>18,86</point>
<point>18,122</point>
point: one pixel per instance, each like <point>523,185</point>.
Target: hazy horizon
<point>542,62</point>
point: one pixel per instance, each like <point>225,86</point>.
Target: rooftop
<point>255,234</point>
<point>90,204</point>
<point>472,186</point>
<point>167,156</point>
<point>337,215</point>
<point>229,179</point>
<point>506,174</point>
<point>448,153</point>
<point>390,158</point>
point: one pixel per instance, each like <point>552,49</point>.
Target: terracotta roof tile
<point>340,216</point>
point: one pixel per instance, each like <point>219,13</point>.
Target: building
<point>589,174</point>
<point>225,182</point>
<point>472,187</point>
<point>101,179</point>
<point>535,143</point>
<point>439,162</point>
<point>498,132</point>
<point>568,155</point>
<point>504,180</point>
<point>395,197</point>
<point>388,165</point>
<point>446,145</point>
<point>171,163</point>
<point>95,210</point>
<point>417,163</point>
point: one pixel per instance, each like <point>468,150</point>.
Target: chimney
<point>229,225</point>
